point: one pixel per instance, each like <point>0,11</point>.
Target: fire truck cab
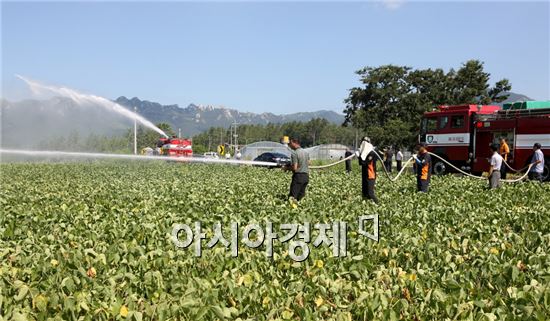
<point>462,135</point>
<point>448,132</point>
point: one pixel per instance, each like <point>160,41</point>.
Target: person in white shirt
<point>399,159</point>
<point>537,161</point>
<point>494,171</point>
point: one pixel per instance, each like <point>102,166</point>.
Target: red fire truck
<point>462,135</point>
<point>175,147</point>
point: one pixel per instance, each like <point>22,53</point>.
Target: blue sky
<point>280,57</point>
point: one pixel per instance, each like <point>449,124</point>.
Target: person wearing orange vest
<point>368,172</point>
<point>504,151</point>
<point>423,166</point>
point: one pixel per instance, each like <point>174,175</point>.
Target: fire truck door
<point>482,151</point>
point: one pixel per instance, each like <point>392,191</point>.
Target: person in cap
<point>367,161</point>
<point>496,164</point>
<point>537,162</point>
<point>423,168</point>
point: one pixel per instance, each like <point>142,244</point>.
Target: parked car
<point>279,158</point>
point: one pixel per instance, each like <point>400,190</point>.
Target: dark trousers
<point>422,185</point>
<point>298,185</point>
<point>368,190</point>
<point>534,176</point>
<point>503,171</point>
<point>399,165</point>
<point>367,185</point>
<point>348,166</point>
<point>388,166</point>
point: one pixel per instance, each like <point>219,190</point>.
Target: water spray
<point>48,153</point>
<point>82,99</point>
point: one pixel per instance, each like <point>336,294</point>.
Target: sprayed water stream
<point>83,99</point>
<point>48,153</point>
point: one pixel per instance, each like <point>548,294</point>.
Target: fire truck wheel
<point>546,172</point>
<point>440,168</point>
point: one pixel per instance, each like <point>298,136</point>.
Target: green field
<point>91,241</point>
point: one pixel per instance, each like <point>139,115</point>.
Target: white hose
<point>481,177</point>
<point>352,156</point>
<point>513,169</point>
<point>393,179</point>
<point>332,164</point>
<point>398,174</point>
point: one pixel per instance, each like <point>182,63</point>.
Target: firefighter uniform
<point>368,176</point>
<point>423,172</point>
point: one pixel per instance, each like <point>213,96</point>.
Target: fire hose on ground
<point>481,177</point>
<point>393,179</point>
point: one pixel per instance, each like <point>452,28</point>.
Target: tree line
<point>314,132</point>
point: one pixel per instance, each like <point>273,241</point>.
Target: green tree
<point>392,99</point>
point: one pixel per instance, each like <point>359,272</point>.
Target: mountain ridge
<point>195,119</point>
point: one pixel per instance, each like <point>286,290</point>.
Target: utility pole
<point>179,132</point>
<point>235,141</point>
<point>135,130</point>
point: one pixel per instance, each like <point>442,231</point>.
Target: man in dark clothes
<point>348,161</point>
<point>423,168</point>
<point>389,159</point>
<point>368,171</point>
<point>300,167</point>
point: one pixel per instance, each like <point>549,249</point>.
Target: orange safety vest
<point>371,170</point>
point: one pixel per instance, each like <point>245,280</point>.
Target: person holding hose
<point>423,166</point>
<point>300,170</point>
<point>504,152</point>
<point>495,169</point>
<point>537,162</point>
<point>367,161</point>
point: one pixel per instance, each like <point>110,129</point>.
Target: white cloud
<point>393,4</point>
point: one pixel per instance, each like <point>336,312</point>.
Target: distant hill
<point>195,119</point>
<point>513,98</point>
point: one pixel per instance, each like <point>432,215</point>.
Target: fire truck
<point>462,134</point>
<point>175,147</point>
